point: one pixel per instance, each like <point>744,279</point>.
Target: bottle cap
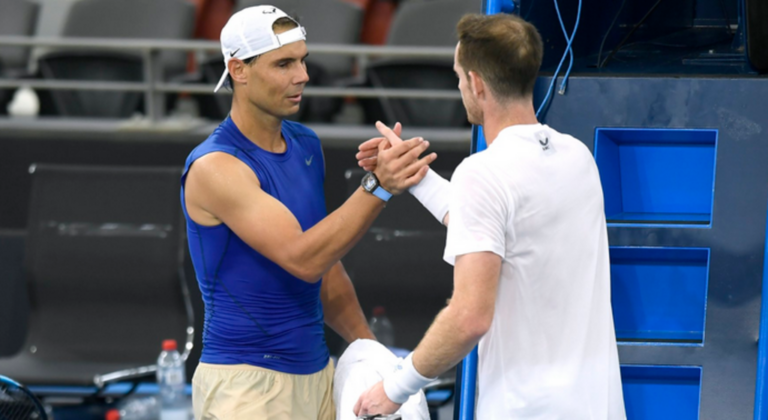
<point>379,311</point>
<point>112,414</point>
<point>169,345</point>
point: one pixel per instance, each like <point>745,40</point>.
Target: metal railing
<point>155,88</point>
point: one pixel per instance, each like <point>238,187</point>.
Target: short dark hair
<point>504,50</point>
<point>281,23</point>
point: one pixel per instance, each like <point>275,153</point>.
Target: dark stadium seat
<point>93,66</point>
<point>398,74</point>
<point>142,19</point>
<point>18,17</point>
<point>129,19</point>
<point>103,266</point>
<point>423,24</point>
<point>429,23</point>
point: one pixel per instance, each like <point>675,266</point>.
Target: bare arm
<point>340,306</point>
<point>461,325</point>
<point>456,330</point>
<point>222,189</point>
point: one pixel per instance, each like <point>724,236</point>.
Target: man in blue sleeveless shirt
<point>265,253</point>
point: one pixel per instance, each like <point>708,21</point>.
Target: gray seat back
<point>429,23</point>
<point>148,19</point>
<point>17,18</point>
<point>93,66</point>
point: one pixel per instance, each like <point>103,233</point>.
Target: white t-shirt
<point>534,198</point>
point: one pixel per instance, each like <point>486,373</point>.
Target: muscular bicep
<point>225,188</point>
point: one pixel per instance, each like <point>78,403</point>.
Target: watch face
<point>369,182</point>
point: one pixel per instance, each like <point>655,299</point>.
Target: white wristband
<point>434,193</point>
<point>405,382</point>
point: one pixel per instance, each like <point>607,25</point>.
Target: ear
<point>477,85</point>
<point>237,70</point>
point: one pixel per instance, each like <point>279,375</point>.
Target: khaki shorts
<point>243,392</point>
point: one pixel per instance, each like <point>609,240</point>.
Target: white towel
<point>363,364</point>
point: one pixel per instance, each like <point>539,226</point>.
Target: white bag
<point>363,364</point>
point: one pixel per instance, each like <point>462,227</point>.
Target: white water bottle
<point>171,383</point>
<point>381,327</point>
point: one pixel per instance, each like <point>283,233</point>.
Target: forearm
<point>466,319</point>
<point>433,192</point>
<point>315,251</point>
<point>447,341</point>
<point>340,306</point>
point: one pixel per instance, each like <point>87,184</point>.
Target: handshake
<point>397,166</point>
<point>395,161</point>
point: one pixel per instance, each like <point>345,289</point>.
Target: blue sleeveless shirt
<point>257,313</point>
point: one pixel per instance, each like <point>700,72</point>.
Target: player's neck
<point>499,117</point>
<point>259,127</point>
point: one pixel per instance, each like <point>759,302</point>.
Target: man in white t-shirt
<point>528,240</point>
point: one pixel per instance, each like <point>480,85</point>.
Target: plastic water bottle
<point>171,383</point>
<point>381,327</point>
<point>135,408</point>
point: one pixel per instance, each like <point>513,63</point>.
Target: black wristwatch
<point>371,184</point>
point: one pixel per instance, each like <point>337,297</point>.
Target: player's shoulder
<point>223,134</point>
<point>220,165</point>
<point>577,145</point>
<point>220,139</point>
<point>219,175</point>
<point>219,142</point>
<point>475,166</point>
<point>218,159</point>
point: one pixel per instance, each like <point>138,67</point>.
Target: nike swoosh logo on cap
<point>232,53</point>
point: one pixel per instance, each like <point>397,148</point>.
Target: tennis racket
<point>18,403</point>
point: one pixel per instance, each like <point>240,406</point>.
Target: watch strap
<point>383,194</point>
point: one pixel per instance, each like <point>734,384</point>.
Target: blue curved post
<point>466,385</point>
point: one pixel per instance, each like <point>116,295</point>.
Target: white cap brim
<point>222,80</point>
